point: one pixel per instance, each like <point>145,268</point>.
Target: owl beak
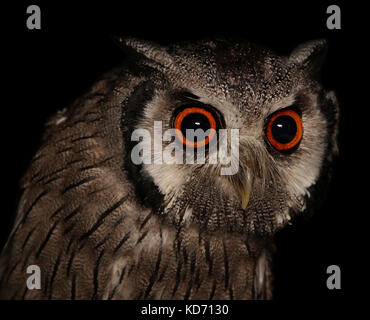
<point>243,185</point>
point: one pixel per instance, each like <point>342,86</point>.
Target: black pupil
<point>195,121</point>
<point>284,129</point>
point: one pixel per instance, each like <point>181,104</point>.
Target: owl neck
<point>188,264</point>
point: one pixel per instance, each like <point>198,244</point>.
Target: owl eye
<point>284,129</point>
<point>194,118</point>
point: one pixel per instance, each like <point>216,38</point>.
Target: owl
<point>102,220</point>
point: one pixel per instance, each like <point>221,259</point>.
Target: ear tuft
<point>148,49</point>
<point>310,54</point>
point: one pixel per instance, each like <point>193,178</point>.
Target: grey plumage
<point>101,227</point>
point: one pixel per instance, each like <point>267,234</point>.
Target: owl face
<point>286,125</point>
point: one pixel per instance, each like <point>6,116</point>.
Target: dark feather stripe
<point>94,135</point>
<point>38,157</point>
<point>71,214</point>
<point>73,287</point>
<point>193,262</point>
<point>162,274</point>
<point>213,290</point>
<point>53,275</point>
<point>141,238</point>
<point>113,292</point>
<point>64,139</point>
<point>185,255</point>
<point>35,175</point>
<point>181,218</point>
<point>87,148</point>
<point>71,240</point>
<point>24,293</point>
<point>208,256</point>
<point>82,245</point>
<point>119,221</point>
<point>43,244</point>
<point>226,266</point>
<point>28,237</point>
<point>88,113</point>
<point>26,259</point>
<point>69,229</point>
<point>50,175</point>
<point>122,275</point>
<point>96,275</point>
<point>231,293</point>
<point>74,161</point>
<point>70,261</point>
<point>178,240</point>
<point>72,124</point>
<point>254,296</point>
<point>45,183</point>
<point>124,239</point>
<point>33,204</point>
<point>250,253</point>
<point>64,150</point>
<point>197,280</point>
<point>96,119</point>
<point>77,184</point>
<point>132,267</point>
<point>98,190</point>
<point>102,217</point>
<point>178,277</point>
<point>192,272</point>
<point>55,213</point>
<point>154,274</point>
<point>96,165</point>
<point>98,245</point>
<point>146,219</point>
<point>111,295</point>
<point>46,286</point>
<point>188,289</point>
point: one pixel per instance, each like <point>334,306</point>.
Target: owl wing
<point>73,214</point>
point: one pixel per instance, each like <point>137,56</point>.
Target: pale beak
<point>243,185</point>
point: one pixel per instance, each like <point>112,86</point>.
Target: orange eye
<point>194,118</point>
<point>284,129</point>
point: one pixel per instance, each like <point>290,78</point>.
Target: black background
<point>45,70</point>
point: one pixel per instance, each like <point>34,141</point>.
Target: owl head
<point>285,127</point>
